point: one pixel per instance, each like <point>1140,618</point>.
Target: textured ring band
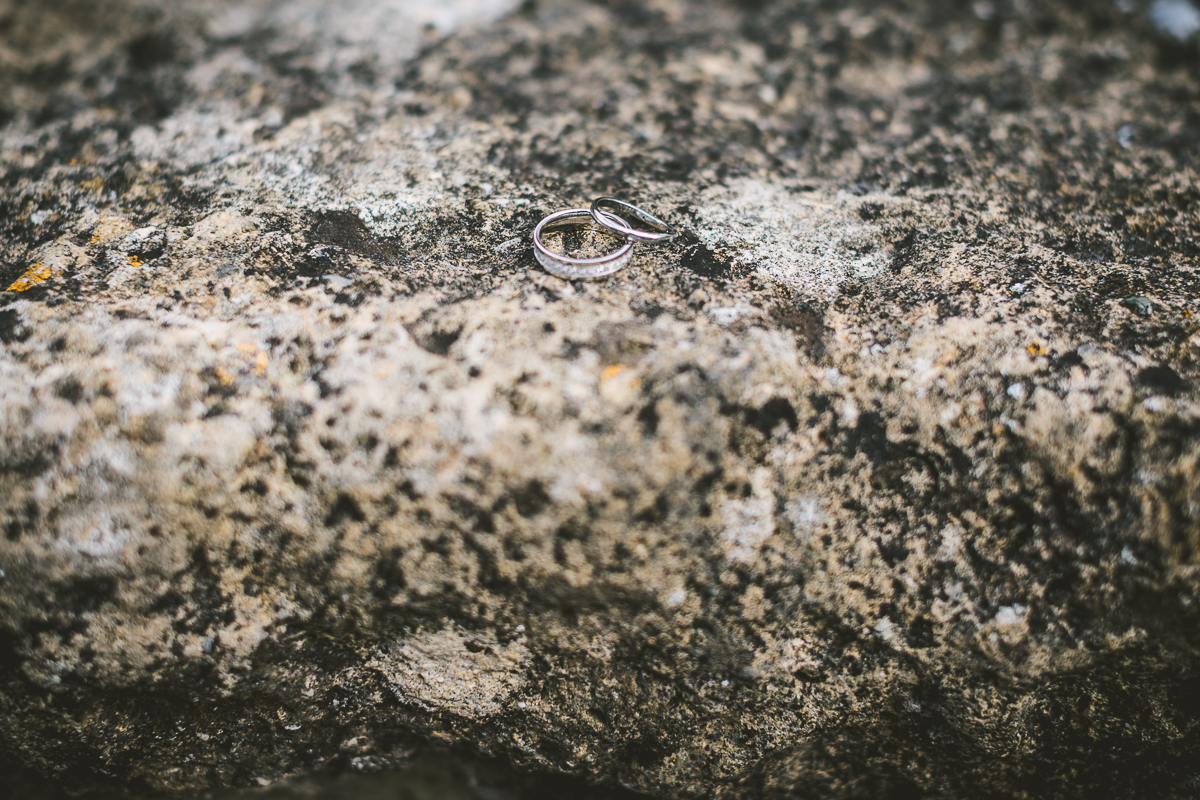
<point>569,266</point>
<point>664,233</point>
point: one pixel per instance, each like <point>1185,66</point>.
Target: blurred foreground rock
<point>882,481</point>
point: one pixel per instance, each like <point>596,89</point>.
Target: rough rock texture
<point>882,481</point>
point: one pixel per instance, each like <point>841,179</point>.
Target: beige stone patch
<point>465,673</point>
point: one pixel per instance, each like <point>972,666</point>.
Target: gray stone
<point>869,485</point>
<point>1177,18</point>
<point>1138,305</point>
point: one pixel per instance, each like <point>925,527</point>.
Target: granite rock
<point>882,480</point>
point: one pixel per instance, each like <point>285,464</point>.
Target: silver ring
<point>568,266</point>
<point>664,233</point>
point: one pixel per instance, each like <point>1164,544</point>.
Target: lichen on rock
<point>875,482</point>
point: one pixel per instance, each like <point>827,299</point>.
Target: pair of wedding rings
<point>607,212</point>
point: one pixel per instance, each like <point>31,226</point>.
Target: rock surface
<point>882,481</point>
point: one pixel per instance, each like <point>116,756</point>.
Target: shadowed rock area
<point>881,481</point>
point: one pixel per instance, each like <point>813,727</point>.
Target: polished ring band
<point>568,266</point>
<point>617,222</point>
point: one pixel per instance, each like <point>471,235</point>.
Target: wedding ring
<point>662,231</point>
<point>570,267</point>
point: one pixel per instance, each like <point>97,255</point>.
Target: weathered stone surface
<point>882,481</point>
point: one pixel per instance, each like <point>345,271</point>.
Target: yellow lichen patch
<point>94,240</point>
<point>224,376</point>
<point>32,277</point>
<point>612,371</point>
<point>134,261</point>
<point>1034,349</point>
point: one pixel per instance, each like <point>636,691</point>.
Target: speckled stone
<point>882,480</point>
